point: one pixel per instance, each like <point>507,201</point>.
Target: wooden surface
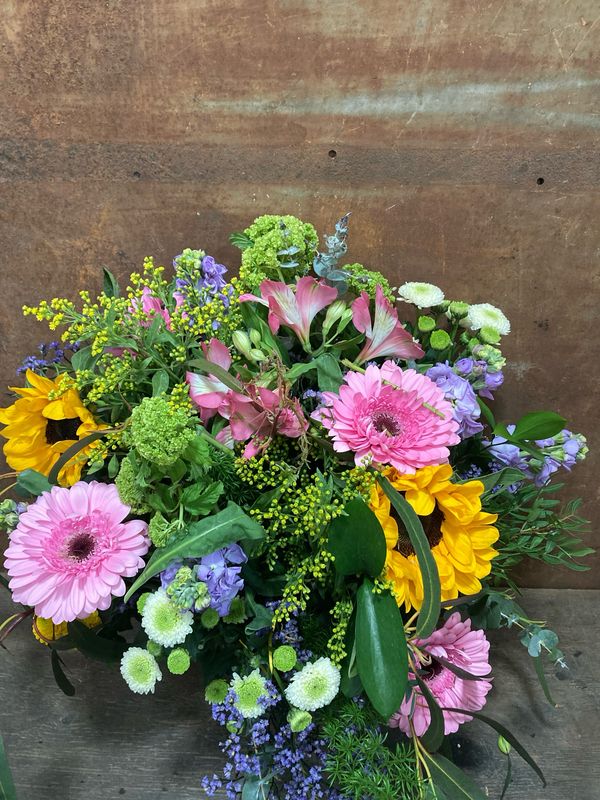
<point>106,743</point>
<point>463,134</point>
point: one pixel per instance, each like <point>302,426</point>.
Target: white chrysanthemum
<point>164,622</point>
<point>140,670</point>
<point>485,315</point>
<point>249,690</point>
<point>422,295</point>
<point>314,686</point>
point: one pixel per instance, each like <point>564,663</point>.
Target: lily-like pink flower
<point>207,392</point>
<point>152,306</point>
<point>385,334</point>
<point>298,310</point>
<point>263,414</point>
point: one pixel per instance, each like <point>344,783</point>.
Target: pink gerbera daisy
<point>390,416</point>
<point>457,644</point>
<point>71,550</point>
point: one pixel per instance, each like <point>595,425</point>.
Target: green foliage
<point>158,432</point>
<point>7,786</point>
<point>534,524</point>
<point>357,541</point>
<point>360,762</point>
<point>282,247</point>
<point>33,483</point>
<point>381,654</point>
<point>361,279</point>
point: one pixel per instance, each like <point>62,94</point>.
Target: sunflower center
<point>385,422</point>
<point>80,546</point>
<point>432,526</point>
<point>57,430</point>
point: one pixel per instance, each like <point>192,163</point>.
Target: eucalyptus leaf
<point>33,482</point>
<point>381,653</point>
<point>430,609</point>
<point>7,786</point>
<point>357,540</point>
<point>256,788</point>
<point>203,537</point>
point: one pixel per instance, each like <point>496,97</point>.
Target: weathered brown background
<point>463,135</point>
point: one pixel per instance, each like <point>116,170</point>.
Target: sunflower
<point>46,631</point>
<point>459,532</point>
<point>47,418</point>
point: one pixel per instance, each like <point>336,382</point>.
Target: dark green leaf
<point>198,452</point>
<point>256,788</point>
<point>510,738</point>
<point>381,654</point>
<point>434,735</point>
<point>357,541</point>
<point>203,537</point>
<point>113,467</point>
<point>301,368</point>
<point>240,240</point>
<point>539,669</point>
<point>221,374</point>
<point>329,373</point>
<point>71,452</point>
<point>110,284</point>
<point>33,482</point>
<point>63,683</point>
<point>452,781</point>
<point>200,500</point>
<point>430,610</point>
<point>88,642</point>
<point>504,477</point>
<point>82,359</point>
<point>538,425</point>
<point>7,786</point>
<point>160,382</point>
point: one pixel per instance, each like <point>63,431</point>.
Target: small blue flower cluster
<point>50,354</point>
<point>198,280</point>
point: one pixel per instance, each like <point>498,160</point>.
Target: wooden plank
<point>106,742</point>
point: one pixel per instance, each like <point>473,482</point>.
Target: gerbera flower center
<point>80,546</point>
<point>432,526</point>
<point>386,422</point>
<point>58,430</point>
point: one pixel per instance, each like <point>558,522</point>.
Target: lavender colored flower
<point>50,354</point>
<point>459,392</point>
<point>505,454</point>
<point>198,280</point>
<point>221,573</point>
<point>562,450</point>
<point>478,373</point>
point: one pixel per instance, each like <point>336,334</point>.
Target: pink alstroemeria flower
<point>152,306</point>
<point>206,391</point>
<point>385,334</point>
<point>298,310</point>
<point>263,414</point>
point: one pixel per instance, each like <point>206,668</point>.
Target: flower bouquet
<point>276,479</point>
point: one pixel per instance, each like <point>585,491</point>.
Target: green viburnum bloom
<point>159,530</point>
<point>360,279</point>
<point>164,622</point>
<point>284,658</point>
<point>440,340</point>
<point>249,690</point>
<point>277,241</point>
<point>315,686</point>
<point>216,691</point>
<point>178,661</point>
<point>160,433</point>
<point>140,670</point>
<point>237,612</point>
<point>426,324</point>
<point>130,493</point>
<point>209,618</point>
<point>298,720</point>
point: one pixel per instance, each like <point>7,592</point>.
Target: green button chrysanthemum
<point>249,690</point>
<point>164,622</point>
<point>140,670</point>
<point>314,686</point>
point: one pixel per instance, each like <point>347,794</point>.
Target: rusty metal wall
<point>464,135</point>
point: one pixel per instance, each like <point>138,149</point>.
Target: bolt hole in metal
<point>540,181</point>
<point>332,154</point>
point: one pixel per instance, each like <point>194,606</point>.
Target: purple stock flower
<point>221,573</point>
<point>459,392</point>
<point>479,376</point>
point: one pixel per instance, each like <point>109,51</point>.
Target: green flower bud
<point>154,648</point>
<point>298,720</point>
<point>159,530</point>
<point>232,727</point>
<point>426,324</point>
<point>504,746</point>
<point>334,313</point>
<point>489,335</point>
<point>237,612</point>
<point>491,355</point>
<point>178,661</point>
<point>216,691</point>
<point>209,618</point>
<point>284,658</point>
<point>442,307</point>
<point>141,602</point>
<point>440,340</point>
<point>457,309</point>
<point>241,342</point>
<point>257,355</point>
<point>255,337</point>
